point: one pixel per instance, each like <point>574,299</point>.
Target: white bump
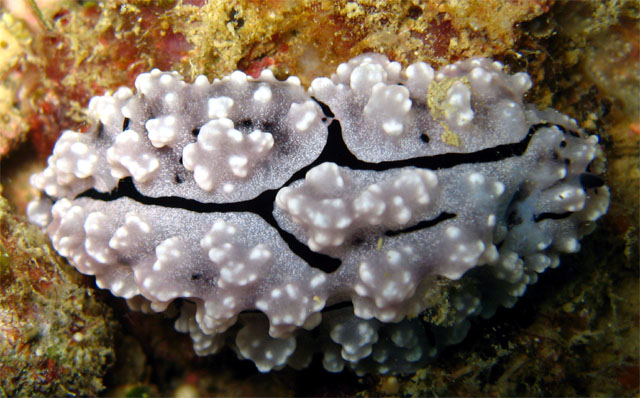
<point>219,107</point>
<point>262,95</point>
<point>453,232</point>
<point>476,179</point>
<point>166,79</point>
<point>201,80</point>
<point>317,281</point>
<point>394,257</point>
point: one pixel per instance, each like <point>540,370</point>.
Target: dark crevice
<point>422,225</point>
<point>125,124</point>
<point>513,219</point>
<point>336,151</point>
<point>325,108</point>
<point>590,181</point>
<point>261,206</point>
<point>551,216</point>
<point>513,215</point>
<point>430,335</point>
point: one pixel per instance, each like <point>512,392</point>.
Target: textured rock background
<point>575,332</point>
<point>56,336</point>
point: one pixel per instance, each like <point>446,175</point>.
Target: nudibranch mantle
<point>266,210</point>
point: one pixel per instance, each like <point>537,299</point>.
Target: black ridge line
<point>335,150</point>
<point>551,216</point>
<point>422,224</point>
<point>262,206</point>
<point>343,157</point>
<point>325,108</point>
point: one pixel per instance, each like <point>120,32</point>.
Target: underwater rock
<point>56,338</point>
<point>293,221</point>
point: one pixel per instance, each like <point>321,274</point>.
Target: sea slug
<point>284,222</point>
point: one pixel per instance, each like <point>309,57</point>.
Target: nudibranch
<point>286,221</point>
